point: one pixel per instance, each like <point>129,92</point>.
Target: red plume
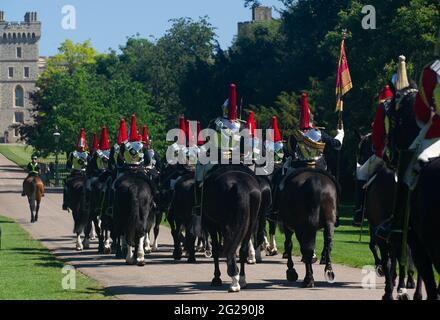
<point>385,94</point>
<point>145,138</point>
<point>232,108</point>
<point>95,145</point>
<point>182,134</point>
<point>82,141</point>
<point>276,130</point>
<point>200,141</point>
<point>251,124</point>
<point>134,135</point>
<point>305,113</point>
<point>104,144</point>
<point>122,135</point>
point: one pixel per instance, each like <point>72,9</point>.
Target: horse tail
<point>241,216</point>
<point>133,214</point>
<point>312,199</point>
<point>32,195</point>
<point>82,218</point>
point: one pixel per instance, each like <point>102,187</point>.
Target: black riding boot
<point>359,209</point>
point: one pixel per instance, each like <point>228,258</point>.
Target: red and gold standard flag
<point>343,81</point>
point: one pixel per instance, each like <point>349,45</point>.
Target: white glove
<point>340,136</point>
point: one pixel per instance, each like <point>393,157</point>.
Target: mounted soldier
<point>33,169</point>
<point>379,136</point>
<point>76,163</point>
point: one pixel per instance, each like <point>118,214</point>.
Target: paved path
<point>162,277</point>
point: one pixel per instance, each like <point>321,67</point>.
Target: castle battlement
<point>20,31</point>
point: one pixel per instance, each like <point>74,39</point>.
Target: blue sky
<point>108,23</point>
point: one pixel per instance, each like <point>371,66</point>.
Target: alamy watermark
<point>369,20</point>
<point>68,282</point>
<point>228,147</point>
<point>68,21</point>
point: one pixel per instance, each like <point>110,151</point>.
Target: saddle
<point>298,170</point>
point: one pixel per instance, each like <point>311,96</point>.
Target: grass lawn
<point>21,154</point>
<point>28,271</point>
<point>347,249</point>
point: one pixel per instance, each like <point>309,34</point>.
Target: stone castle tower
<point>20,66</point>
<point>259,14</point>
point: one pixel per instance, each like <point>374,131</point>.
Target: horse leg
<point>424,266</point>
<point>79,244</point>
<point>233,269</point>
<point>156,230</point>
<point>208,247</point>
<point>328,245</point>
<point>147,244</point>
<point>307,240</point>
<point>273,250</point>
<point>87,231</point>
<point>107,246</point>
<point>190,240</point>
<point>243,259</point>
<point>118,245</point>
<point>373,249</point>
<point>31,201</point>
<point>216,281</point>
<point>100,234</point>
<point>140,259</point>
<point>418,292</point>
<point>251,259</point>
<point>129,257</point>
<point>386,267</point>
<point>175,232</point>
<point>410,283</point>
<point>291,273</point>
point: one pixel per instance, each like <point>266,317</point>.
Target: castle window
<point>26,72</point>
<point>18,117</point>
<point>19,52</point>
<point>10,72</point>
<point>19,96</point>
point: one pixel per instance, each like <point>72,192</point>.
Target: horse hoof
<point>242,282</point>
<point>191,260</point>
<point>78,248</point>
<point>291,275</point>
<point>208,253</point>
<point>272,252</point>
<point>251,261</point>
<point>314,259</point>
<point>234,289</point>
<point>308,283</point>
<point>86,246</point>
<point>329,276</point>
<point>259,260</point>
<point>418,297</point>
<point>403,297</point>
<point>36,218</point>
<point>107,250</point>
<point>285,255</point>
<point>216,282</point>
<point>141,263</point>
<point>379,271</point>
<point>387,297</point>
<point>129,262</point>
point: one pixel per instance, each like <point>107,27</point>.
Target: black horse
<point>96,207</point>
<point>308,202</point>
<point>379,201</point>
<point>132,206</point>
<point>76,202</point>
<point>231,201</point>
<point>424,222</point>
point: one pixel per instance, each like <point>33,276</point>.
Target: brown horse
<point>33,188</point>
